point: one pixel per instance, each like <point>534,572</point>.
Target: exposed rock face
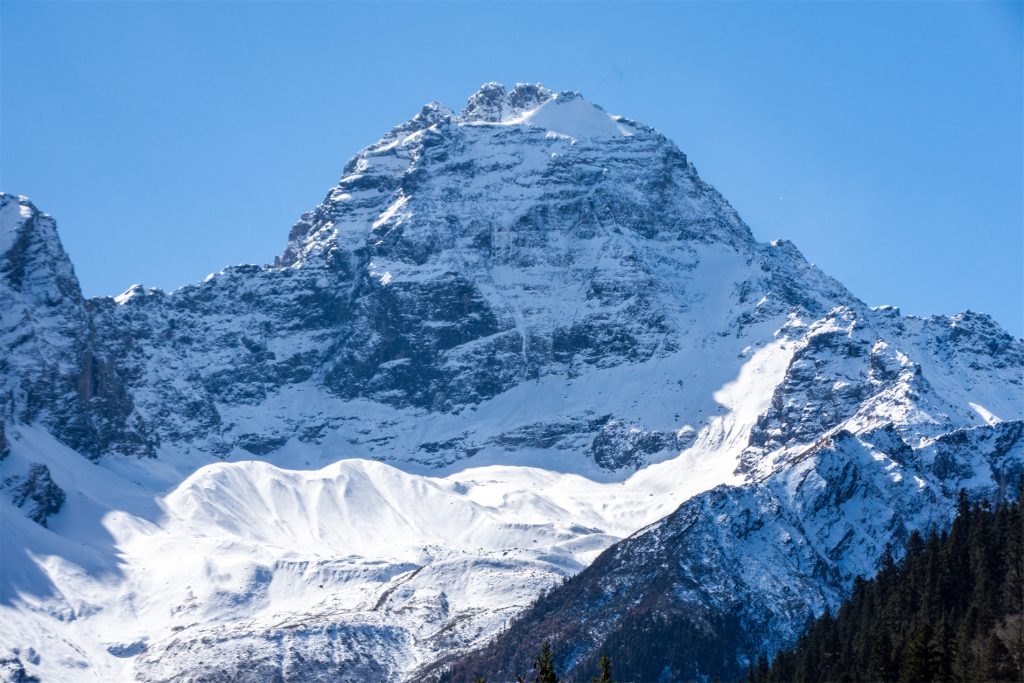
<point>13,670</point>
<point>36,493</point>
<point>528,282</point>
<point>51,368</point>
<point>620,445</point>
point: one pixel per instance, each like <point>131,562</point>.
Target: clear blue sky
<point>884,139</point>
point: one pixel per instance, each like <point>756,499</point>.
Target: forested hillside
<point>951,610</point>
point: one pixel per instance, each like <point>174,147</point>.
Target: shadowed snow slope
<point>527,331</point>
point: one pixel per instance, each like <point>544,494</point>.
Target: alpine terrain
<point>515,344</point>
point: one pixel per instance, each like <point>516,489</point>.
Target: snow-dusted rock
<point>35,493</point>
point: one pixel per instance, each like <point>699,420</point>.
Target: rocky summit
<point>506,340</point>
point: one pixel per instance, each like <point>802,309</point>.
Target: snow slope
<point>244,561</point>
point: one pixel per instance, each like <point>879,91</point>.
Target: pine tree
<point>606,671</point>
<point>996,663</point>
<point>963,661</point>
<point>920,661</point>
<point>762,669</point>
<point>945,650</point>
<point>881,667</point>
<point>545,666</point>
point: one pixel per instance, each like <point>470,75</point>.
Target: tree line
<point>951,610</point>
<point>544,669</point>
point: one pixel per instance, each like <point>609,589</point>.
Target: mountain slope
<point>546,332</point>
<point>739,570</point>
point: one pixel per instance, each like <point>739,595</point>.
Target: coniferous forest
<point>951,610</point>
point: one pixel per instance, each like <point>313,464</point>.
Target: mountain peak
<point>31,254</point>
<point>565,114</point>
<point>494,103</point>
<point>15,211</point>
<point>514,146</point>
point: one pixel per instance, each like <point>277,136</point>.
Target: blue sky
<point>884,139</point>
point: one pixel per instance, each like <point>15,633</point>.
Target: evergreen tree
<point>606,671</point>
<point>762,669</point>
<point>545,666</point>
<point>920,661</point>
<point>881,667</point>
<point>945,647</point>
<point>963,658</point>
<point>996,663</point>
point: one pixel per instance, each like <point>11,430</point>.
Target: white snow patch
<point>127,294</point>
<point>574,118</point>
<point>390,212</point>
<point>984,413</point>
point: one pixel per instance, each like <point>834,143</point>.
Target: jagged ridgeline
<point>518,350</point>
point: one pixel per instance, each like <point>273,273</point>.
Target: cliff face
<point>52,368</point>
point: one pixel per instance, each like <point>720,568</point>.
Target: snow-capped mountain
<point>526,331</point>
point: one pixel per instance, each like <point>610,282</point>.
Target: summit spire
<point>494,103</point>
